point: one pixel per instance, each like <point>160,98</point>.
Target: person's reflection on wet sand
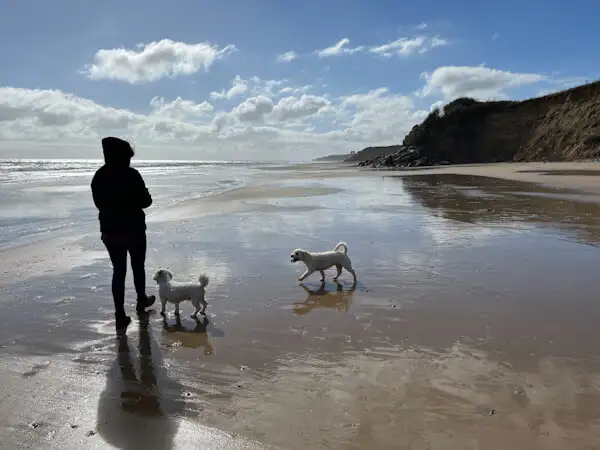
<point>189,337</point>
<point>139,412</point>
<point>339,299</point>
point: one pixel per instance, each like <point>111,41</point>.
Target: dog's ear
<point>162,274</point>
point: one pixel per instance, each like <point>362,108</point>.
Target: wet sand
<point>574,176</point>
<point>473,325</point>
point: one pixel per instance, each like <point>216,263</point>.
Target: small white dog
<point>320,262</point>
<point>177,292</point>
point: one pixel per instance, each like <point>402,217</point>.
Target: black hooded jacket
<point>119,191</point>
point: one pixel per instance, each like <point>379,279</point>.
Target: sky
<point>270,79</point>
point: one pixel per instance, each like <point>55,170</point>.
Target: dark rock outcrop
<point>402,156</point>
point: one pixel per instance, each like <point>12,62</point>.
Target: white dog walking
<point>177,292</point>
<point>320,262</point>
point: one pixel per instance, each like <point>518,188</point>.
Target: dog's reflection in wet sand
<point>190,337</point>
<point>339,299</point>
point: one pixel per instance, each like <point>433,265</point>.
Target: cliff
<point>564,126</point>
<point>333,158</point>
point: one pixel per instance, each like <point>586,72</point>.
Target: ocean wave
<point>12,170</point>
<point>33,165</point>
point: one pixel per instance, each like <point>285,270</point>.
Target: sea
<point>38,197</point>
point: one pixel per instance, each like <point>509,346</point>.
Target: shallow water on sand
<point>473,324</point>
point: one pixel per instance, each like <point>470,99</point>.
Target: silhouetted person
<point>120,195</point>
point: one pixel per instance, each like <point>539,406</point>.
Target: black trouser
<point>118,245</point>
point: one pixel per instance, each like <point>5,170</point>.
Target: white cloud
<point>367,99</point>
<point>294,90</point>
<point>239,86</point>
<point>153,61</point>
<point>478,82</point>
<point>298,107</point>
<point>255,86</point>
<point>34,122</point>
<point>408,46</point>
<point>179,108</point>
<point>287,56</point>
<point>437,41</point>
<point>339,48</point>
<point>437,105</point>
<point>401,47</point>
<point>377,116</point>
<point>258,127</point>
<point>266,87</point>
<point>422,26</point>
<point>262,109</point>
<point>495,36</point>
<point>253,109</point>
<point>55,109</point>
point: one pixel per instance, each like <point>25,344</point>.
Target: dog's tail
<point>203,279</point>
<point>341,245</point>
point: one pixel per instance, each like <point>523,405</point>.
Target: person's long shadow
<point>139,412</point>
<point>339,299</point>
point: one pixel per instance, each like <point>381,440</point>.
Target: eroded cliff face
<point>564,126</point>
<point>569,131</point>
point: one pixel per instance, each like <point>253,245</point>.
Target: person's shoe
<point>145,302</point>
<point>122,324</point>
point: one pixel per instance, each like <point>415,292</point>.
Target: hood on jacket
<point>117,152</point>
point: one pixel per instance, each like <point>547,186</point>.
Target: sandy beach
<point>573,176</point>
<point>474,324</point>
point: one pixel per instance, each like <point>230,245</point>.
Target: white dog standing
<point>320,262</point>
<point>177,292</point>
